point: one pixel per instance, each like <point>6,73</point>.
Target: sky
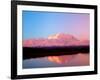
<point>38,24</point>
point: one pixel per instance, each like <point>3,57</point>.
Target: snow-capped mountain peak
<point>59,39</point>
<point>62,36</point>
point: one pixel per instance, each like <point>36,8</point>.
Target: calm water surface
<point>57,61</point>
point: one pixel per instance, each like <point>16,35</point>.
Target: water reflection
<point>60,59</point>
<point>57,61</point>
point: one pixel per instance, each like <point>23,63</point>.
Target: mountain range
<point>59,39</point>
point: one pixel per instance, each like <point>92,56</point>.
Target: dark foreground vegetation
<point>30,52</point>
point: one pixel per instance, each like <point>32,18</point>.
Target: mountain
<point>62,36</point>
<point>60,39</point>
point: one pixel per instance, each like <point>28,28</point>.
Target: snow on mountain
<point>62,36</point>
<point>55,40</point>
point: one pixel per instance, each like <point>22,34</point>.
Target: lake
<point>79,59</point>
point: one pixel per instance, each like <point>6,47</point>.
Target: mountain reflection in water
<point>57,61</point>
<point>60,59</point>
